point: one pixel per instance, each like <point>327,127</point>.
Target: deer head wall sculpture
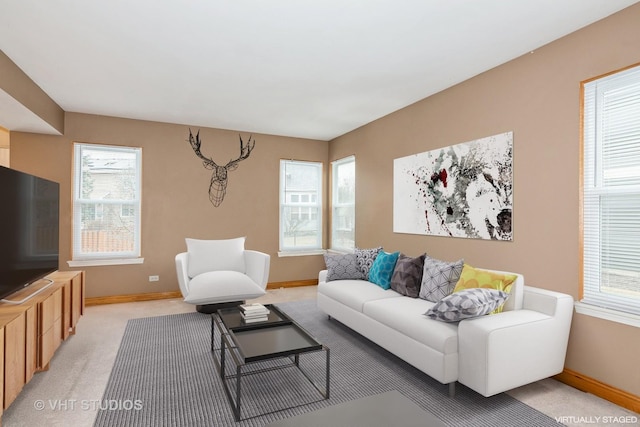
<point>218,185</point>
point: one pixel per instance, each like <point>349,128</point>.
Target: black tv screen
<point>29,229</point>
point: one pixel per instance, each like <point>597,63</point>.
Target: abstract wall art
<point>465,190</point>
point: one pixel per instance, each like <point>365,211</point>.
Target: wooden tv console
<point>32,331</point>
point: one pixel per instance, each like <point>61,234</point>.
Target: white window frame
<point>336,205</point>
<point>597,300</point>
<point>81,258</point>
<point>312,207</point>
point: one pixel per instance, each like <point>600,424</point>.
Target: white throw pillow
<point>215,255</point>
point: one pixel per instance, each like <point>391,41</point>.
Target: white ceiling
<point>311,69</point>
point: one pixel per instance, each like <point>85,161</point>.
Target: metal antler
<point>218,185</point>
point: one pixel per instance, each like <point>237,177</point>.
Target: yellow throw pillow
<point>476,278</point>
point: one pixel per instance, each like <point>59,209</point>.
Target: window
<point>128,210</point>
<point>300,206</point>
<point>611,194</point>
<point>106,205</point>
<point>343,204</point>
<point>99,210</point>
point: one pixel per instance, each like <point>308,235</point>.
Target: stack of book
<point>254,313</point>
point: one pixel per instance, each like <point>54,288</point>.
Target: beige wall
<point>175,199</point>
<point>537,97</point>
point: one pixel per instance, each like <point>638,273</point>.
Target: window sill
<point>282,254</point>
<point>340,251</point>
<point>101,262</point>
<point>608,314</point>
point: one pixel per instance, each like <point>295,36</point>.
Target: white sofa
<point>490,354</point>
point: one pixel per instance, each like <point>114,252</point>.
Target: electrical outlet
<point>154,278</point>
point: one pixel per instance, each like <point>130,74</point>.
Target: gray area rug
<point>164,375</point>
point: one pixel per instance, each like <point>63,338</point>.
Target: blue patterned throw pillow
<point>382,269</point>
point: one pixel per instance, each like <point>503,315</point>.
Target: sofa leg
<point>452,389</point>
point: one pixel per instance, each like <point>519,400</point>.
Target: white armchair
<point>217,273</point>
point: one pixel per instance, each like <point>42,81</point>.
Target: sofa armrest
<point>548,302</point>
<point>510,349</point>
<point>322,276</point>
<point>181,271</point>
<point>257,267</point>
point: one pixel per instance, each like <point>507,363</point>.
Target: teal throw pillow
<point>382,269</point>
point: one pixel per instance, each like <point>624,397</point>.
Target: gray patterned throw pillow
<point>365,258</point>
<point>439,278</point>
<point>407,275</point>
<point>466,304</point>
<point>342,267</point>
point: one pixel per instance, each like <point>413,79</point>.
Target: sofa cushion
<point>222,286</point>
<point>342,267</point>
<point>382,269</point>
<point>466,304</point>
<point>355,293</point>
<point>476,278</point>
<point>215,255</point>
<point>407,275</point>
<point>439,278</point>
<point>406,315</point>
<point>365,259</point>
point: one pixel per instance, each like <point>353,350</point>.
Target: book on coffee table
<point>254,311</point>
<point>255,319</point>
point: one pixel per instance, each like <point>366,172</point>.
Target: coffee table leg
<point>238,384</point>
<point>213,332</point>
<point>222,358</point>
<point>328,374</point>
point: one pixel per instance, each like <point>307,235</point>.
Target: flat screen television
<point>29,229</point>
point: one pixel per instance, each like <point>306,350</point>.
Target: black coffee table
<point>251,343</point>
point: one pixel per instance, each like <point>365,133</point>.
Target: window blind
<point>611,191</point>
